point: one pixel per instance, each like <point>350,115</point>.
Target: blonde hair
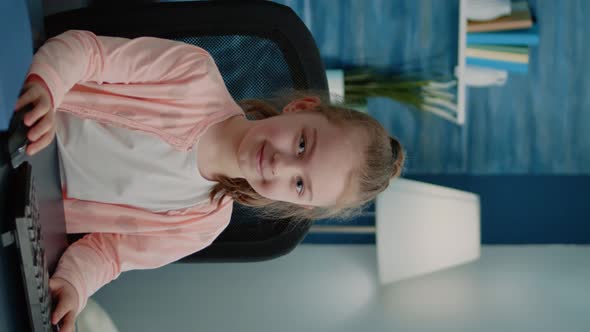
<point>383,160</point>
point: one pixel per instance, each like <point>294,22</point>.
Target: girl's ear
<point>302,104</point>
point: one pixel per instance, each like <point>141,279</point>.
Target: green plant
<point>433,94</point>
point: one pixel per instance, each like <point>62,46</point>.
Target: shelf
<point>461,86</point>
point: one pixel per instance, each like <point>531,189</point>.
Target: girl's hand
<point>65,299</point>
<point>44,130</point>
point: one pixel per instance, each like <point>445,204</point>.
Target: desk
<point>15,59</point>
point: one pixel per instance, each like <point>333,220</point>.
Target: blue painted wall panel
<point>537,123</point>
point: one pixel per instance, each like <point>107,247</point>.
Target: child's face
<point>300,158</point>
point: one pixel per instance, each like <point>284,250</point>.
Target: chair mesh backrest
<point>252,67</point>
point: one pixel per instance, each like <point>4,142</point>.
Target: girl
<point>153,151</point>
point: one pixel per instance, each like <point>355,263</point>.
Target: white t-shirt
<point>108,164</point>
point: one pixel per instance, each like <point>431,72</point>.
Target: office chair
<point>260,47</point>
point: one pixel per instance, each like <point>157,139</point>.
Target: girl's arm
<point>80,56</point>
<point>98,258</point>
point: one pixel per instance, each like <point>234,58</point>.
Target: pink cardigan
<point>166,88</point>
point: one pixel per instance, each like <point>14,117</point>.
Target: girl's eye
<point>299,186</point>
<point>301,147</point>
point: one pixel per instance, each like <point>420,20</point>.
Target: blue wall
<point>525,148</point>
<point>538,123</point>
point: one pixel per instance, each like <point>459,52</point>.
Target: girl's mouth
<point>259,157</point>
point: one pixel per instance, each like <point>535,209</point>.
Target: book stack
<point>503,42</point>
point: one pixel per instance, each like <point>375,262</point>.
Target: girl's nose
<point>282,165</point>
